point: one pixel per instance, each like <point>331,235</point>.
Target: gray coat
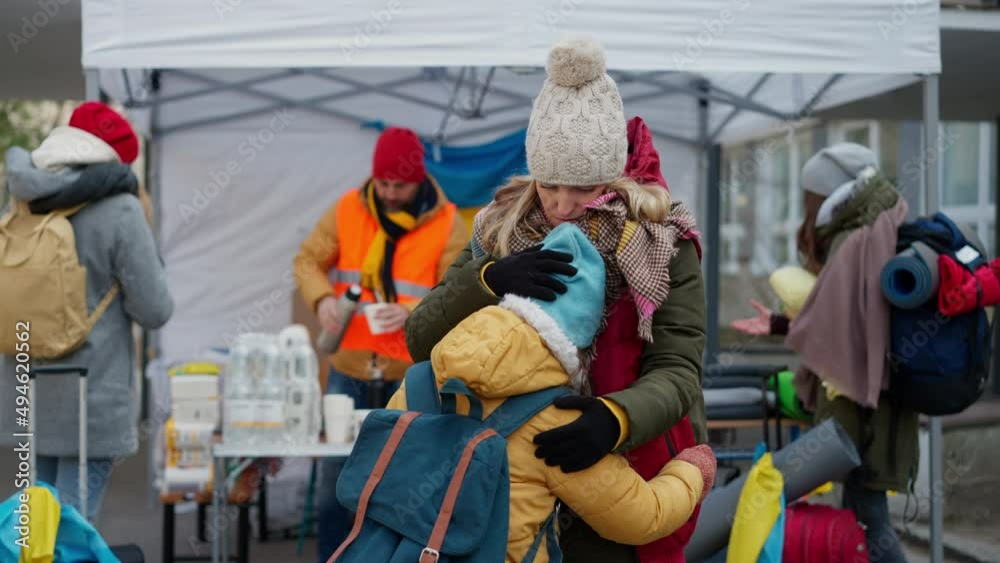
<point>114,242</point>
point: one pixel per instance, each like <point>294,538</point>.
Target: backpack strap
<point>548,531</point>
<point>432,552</point>
<point>517,410</point>
<point>449,398</point>
<point>377,473</point>
<point>421,389</point>
<point>103,305</point>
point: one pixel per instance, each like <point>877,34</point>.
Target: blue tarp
<point>470,175</point>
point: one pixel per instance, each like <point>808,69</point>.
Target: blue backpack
<point>429,485</point>
<point>939,364</point>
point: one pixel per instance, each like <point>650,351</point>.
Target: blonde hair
<point>513,202</point>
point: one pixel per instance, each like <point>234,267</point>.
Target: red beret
<point>109,126</point>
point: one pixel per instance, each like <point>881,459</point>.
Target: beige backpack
<point>44,285</point>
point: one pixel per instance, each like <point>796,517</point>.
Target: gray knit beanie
<point>835,166</point>
<point>577,133</point>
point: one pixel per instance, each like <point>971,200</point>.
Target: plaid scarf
<point>636,254</point>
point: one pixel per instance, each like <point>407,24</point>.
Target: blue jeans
<point>334,520</point>
<point>63,474</point>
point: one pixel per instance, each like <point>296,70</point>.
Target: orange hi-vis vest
<point>414,268</point>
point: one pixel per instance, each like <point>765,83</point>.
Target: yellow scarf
<point>374,264</point>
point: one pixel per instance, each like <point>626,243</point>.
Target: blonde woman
<point>641,380</point>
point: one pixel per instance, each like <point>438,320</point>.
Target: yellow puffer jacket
<point>498,355</point>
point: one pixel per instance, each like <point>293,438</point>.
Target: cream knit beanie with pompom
<point>577,132</point>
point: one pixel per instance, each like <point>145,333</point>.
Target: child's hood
<point>498,355</point>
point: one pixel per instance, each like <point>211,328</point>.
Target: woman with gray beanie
<point>642,391</point>
<point>845,194</point>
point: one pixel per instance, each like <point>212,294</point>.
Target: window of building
<point>968,176</point>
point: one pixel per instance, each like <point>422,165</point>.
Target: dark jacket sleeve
<point>459,294</point>
<point>669,384</point>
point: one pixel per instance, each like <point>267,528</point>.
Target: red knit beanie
<point>106,124</point>
<point>399,155</point>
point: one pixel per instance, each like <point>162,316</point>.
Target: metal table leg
<point>169,516</point>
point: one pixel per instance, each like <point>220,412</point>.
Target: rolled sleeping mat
<point>911,278</point>
<point>825,453</point>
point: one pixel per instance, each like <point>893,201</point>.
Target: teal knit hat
<point>569,323</point>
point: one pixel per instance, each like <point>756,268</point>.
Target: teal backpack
<point>429,485</point>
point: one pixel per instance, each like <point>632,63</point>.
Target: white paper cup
<point>338,417</point>
<point>374,325</point>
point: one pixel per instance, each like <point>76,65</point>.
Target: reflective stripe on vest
<point>414,268</point>
<point>402,287</point>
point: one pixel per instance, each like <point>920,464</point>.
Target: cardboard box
<point>205,411</point>
<point>194,388</point>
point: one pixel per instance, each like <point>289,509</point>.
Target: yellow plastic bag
<point>793,285</point>
<point>44,511</point>
<point>759,514</point>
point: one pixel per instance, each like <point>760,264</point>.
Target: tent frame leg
<point>932,165</point>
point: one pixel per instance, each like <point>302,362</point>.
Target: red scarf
<point>619,350</point>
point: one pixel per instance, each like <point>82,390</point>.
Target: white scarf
<point>69,146</point>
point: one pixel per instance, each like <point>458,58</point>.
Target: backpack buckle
<point>429,555</point>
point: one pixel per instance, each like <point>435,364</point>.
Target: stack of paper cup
<point>338,418</point>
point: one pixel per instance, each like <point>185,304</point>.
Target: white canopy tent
<point>253,108</point>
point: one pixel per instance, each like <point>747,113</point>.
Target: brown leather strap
<point>373,480</point>
<point>430,554</point>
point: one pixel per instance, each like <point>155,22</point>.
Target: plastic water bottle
<point>239,395</point>
<point>269,421</point>
<point>303,398</point>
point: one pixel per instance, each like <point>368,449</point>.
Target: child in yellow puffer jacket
<point>524,345</point>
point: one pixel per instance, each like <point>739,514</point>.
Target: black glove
<point>583,442</point>
<point>529,273</point>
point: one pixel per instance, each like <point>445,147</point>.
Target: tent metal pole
<point>478,108</point>
<point>932,164</point>
<point>308,104</point>
<point>363,87</point>
<point>736,111</point>
<point>223,86</point>
<point>507,125</point>
<point>450,108</point>
<point>510,94</point>
<point>672,137</point>
<point>92,84</point>
<point>819,95</point>
<point>711,157</point>
<point>996,246</point>
<point>714,94</point>
<point>727,97</point>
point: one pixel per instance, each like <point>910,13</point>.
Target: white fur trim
<point>553,336</point>
<point>69,146</point>
<point>842,195</point>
